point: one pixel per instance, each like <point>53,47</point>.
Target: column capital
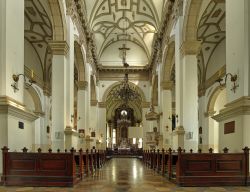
<point>102,104</point>
<point>82,85</point>
<point>59,47</point>
<point>190,47</point>
<point>93,102</point>
<point>46,89</point>
<point>167,85</point>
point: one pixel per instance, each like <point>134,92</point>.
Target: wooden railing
<point>200,169</point>
<point>48,168</point>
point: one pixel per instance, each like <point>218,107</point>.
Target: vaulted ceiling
<point>124,23</point>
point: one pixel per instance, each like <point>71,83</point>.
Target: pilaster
<point>59,61</point>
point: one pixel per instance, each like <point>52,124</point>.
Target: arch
<point>79,61</point>
<point>107,91</point>
<point>36,100</point>
<point>191,20</point>
<point>58,20</point>
<point>213,98</point>
<point>168,60</point>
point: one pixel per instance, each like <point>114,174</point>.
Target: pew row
<point>49,169</point>
<point>200,169</point>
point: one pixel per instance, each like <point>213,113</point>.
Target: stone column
<point>102,121</point>
<point>81,104</point>
<point>237,109</point>
<point>189,50</point>
<point>59,62</point>
<point>46,132</point>
<point>12,110</point>
<point>145,123</point>
<point>186,89</point>
<point>178,133</point>
<point>71,135</point>
<point>11,47</point>
<point>166,96</point>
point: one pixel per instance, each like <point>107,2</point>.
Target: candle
<point>32,74</point>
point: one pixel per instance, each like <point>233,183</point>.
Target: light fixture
<point>233,79</point>
<point>28,82</point>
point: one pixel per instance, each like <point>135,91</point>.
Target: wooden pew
<point>41,169</point>
<point>212,169</point>
<point>49,169</point>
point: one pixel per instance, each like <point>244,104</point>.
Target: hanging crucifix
<point>123,50</point>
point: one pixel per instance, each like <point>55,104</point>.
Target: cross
<point>124,49</point>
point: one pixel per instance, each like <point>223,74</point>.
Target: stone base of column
<point>178,137</point>
<point>71,137</point>
<point>234,120</point>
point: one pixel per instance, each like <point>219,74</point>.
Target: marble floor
<point>125,174</point>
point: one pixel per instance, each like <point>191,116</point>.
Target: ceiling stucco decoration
<point>118,23</point>
<point>211,31</point>
<point>38,32</point>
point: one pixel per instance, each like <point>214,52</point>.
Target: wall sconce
<point>233,79</point>
<point>27,82</point>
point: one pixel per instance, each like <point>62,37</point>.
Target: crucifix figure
<point>123,50</point>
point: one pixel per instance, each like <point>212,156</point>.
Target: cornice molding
<point>70,131</point>
<point>238,107</point>
<point>93,102</point>
<point>59,47</point>
<point>14,108</point>
<point>190,48</point>
<point>145,104</point>
<point>102,104</point>
<point>179,131</point>
<point>209,113</point>
<point>82,85</point>
<point>167,85</point>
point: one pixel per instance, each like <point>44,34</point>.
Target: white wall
<point>31,60</point>
<point>19,138</point>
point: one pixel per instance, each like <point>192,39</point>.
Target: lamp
<point>233,79</point>
<point>27,82</point>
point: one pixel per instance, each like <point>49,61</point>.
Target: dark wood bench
<point>212,169</point>
<point>200,169</point>
<point>47,168</point>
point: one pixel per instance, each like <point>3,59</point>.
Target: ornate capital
<point>93,102</point>
<point>190,47</point>
<point>82,85</point>
<point>59,47</point>
<point>167,85</point>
